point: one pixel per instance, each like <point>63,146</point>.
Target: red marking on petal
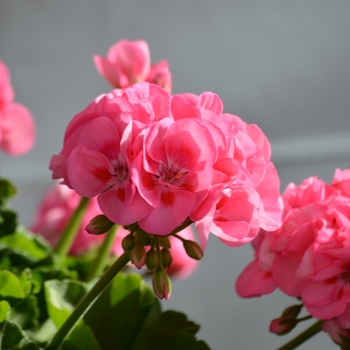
<point>167,197</point>
<point>340,294</point>
<point>268,274</point>
<point>121,193</point>
<point>148,181</point>
<point>102,174</point>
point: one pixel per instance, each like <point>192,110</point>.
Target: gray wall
<point>281,64</point>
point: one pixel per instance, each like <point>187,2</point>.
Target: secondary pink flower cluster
<point>59,203</point>
<point>309,255</point>
<point>158,159</point>
<point>17,130</point>
<point>129,62</point>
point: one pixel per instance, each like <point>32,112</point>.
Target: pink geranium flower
<point>308,256</point>
<point>129,62</point>
<point>17,130</point>
<point>158,160</point>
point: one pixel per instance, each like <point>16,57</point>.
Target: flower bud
<point>340,336</point>
<point>292,311</point>
<point>161,284</point>
<point>128,242</point>
<point>152,260</point>
<point>98,225</point>
<point>193,249</point>
<point>164,242</point>
<point>167,258</point>
<point>282,325</point>
<point>138,255</point>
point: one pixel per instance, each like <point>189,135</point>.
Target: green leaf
<point>62,297</point>
<point>8,221</point>
<point>13,338</point>
<point>7,189</point>
<point>166,330</point>
<point>81,338</point>
<point>4,310</point>
<point>128,316</point>
<point>26,313</point>
<point>118,314</point>
<point>10,335</point>
<point>22,243</point>
<point>12,286</point>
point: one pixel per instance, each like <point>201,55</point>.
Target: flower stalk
<point>87,301</point>
<point>71,230</point>
<point>303,337</point>
<point>104,252</point>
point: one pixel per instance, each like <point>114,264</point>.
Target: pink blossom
<point>129,62</point>
<point>54,211</point>
<point>17,130</point>
<point>339,335</point>
<point>308,256</point>
<point>158,160</point>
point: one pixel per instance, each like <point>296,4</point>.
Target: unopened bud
<point>167,259</point>
<point>138,255</point>
<point>161,284</point>
<point>164,242</point>
<point>128,242</point>
<point>193,249</point>
<point>152,260</point>
<point>292,311</point>
<point>98,225</point>
<point>282,325</point>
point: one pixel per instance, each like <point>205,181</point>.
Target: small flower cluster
<point>17,129</point>
<point>129,62</point>
<point>309,255</point>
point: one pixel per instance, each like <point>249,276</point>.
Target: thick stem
<point>87,301</point>
<point>71,230</point>
<point>303,337</point>
<point>103,254</point>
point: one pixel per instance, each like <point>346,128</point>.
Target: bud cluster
<point>154,252</point>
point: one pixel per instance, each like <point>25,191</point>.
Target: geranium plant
<point>140,171</point>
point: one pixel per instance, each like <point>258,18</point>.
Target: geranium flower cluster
<point>17,129</point>
<point>158,160</point>
<point>309,255</point>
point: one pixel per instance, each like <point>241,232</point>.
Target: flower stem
<point>87,301</point>
<point>302,337</point>
<point>104,252</point>
<point>71,230</point>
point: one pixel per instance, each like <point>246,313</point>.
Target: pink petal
<point>108,70</point>
<point>89,172</point>
<point>175,206</point>
<point>254,282</point>
<point>18,129</point>
<point>113,206</point>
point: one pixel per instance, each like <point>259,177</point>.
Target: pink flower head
<point>158,160</point>
<point>53,214</point>
<point>308,256</point>
<point>129,62</point>
<point>17,130</point>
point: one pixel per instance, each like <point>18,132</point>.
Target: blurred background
<point>283,65</point>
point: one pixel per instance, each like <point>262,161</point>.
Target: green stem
<point>87,301</point>
<point>302,337</point>
<point>71,230</point>
<point>103,254</point>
